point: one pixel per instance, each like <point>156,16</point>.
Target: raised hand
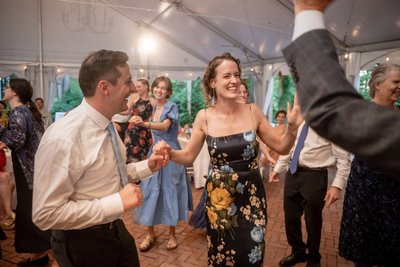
<point>294,116</point>
<point>301,5</point>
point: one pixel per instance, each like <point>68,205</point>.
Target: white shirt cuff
<point>306,21</point>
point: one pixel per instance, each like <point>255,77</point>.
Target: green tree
<point>284,91</point>
<point>71,99</point>
<point>365,76</point>
<point>179,97</point>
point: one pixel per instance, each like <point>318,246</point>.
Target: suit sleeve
<point>335,110</point>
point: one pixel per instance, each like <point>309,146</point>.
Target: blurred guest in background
<point>46,115</point>
<point>24,132</point>
<point>138,139</point>
<point>167,196</point>
<point>3,114</point>
<point>370,229</point>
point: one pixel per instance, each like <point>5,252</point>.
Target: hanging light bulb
<point>387,58</point>
<point>346,56</point>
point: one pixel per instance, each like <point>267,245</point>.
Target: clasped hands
<point>160,156</point>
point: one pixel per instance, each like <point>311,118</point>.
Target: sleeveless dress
<point>167,196</point>
<point>370,228</point>
<point>236,208</point>
<point>138,139</point>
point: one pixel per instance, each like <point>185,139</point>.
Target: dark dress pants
<point>95,247</point>
<point>305,191</point>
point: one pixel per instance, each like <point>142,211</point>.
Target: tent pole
<point>40,49</point>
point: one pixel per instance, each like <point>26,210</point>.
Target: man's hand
<point>273,177</point>
<point>320,5</point>
<point>294,116</point>
<point>332,195</point>
<point>131,196</point>
<point>160,156</point>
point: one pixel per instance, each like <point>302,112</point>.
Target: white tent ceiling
<point>188,33</point>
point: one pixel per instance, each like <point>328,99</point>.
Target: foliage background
<point>179,97</point>
<point>71,99</point>
<point>284,90</point>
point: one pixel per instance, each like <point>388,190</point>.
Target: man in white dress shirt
<point>306,192</point>
<point>77,191</point>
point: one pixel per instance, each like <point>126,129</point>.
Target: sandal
<point>9,222</point>
<point>172,243</point>
<point>147,243</point>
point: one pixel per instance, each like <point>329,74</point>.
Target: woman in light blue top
<point>166,195</point>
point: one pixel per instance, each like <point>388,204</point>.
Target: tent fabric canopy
<point>44,37</point>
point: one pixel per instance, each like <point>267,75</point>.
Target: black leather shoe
<point>292,259</point>
<point>28,262</point>
<point>309,264</point>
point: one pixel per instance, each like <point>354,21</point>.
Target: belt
<point>105,226</point>
<point>306,169</point>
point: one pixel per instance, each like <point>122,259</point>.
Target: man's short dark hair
<point>100,65</point>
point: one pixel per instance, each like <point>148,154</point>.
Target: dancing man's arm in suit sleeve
<point>334,109</point>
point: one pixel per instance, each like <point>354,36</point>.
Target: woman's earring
<point>213,98</point>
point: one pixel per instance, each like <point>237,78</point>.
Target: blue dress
<point>167,196</point>
<point>370,229</point>
<point>236,207</point>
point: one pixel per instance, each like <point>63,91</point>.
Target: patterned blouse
<point>23,137</point>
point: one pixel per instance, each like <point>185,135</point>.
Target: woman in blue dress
<point>167,195</point>
<point>236,208</point>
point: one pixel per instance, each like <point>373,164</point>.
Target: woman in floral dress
<point>236,212</point>
<point>138,139</point>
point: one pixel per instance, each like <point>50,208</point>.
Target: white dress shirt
<point>306,21</point>
<point>76,180</point>
<point>318,152</point>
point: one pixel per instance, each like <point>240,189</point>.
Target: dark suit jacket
<point>335,110</point>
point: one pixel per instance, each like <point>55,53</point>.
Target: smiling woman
<point>167,194</point>
<point>236,208</point>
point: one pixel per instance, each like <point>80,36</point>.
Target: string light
<point>270,67</point>
<point>346,55</point>
<point>387,58</point>
<point>251,69</point>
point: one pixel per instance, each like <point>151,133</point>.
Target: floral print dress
<point>236,207</point>
<point>138,139</point>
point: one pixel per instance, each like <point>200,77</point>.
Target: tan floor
<point>192,249</point>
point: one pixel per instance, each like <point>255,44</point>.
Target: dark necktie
<point>117,153</point>
<point>297,150</point>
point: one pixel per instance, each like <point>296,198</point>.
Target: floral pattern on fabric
<point>23,136</point>
<point>370,226</point>
<point>236,212</point>
<point>138,139</point>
